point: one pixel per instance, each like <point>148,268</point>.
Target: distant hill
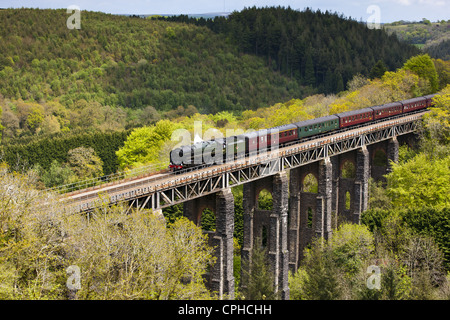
<point>431,37</point>
<point>211,15</point>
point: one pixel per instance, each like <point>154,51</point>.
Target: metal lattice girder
<point>171,189</point>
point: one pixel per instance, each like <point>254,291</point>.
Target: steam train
<point>221,150</point>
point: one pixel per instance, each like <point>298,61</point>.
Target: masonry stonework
<point>220,279</point>
<point>274,222</point>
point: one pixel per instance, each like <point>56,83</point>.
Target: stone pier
<point>273,222</point>
<point>221,278</point>
<point>310,212</point>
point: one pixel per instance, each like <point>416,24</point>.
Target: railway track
<point>152,182</point>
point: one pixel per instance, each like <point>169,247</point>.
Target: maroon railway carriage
<point>414,104</point>
<point>286,133</point>
<point>351,118</point>
<point>387,110</point>
<point>429,99</point>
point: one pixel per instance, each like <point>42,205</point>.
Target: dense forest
<point>131,63</point>
<point>321,49</point>
<point>440,50</point>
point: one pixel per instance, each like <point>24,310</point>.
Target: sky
<point>364,10</point>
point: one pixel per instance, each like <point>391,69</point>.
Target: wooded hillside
<point>254,58</point>
<point>319,49</point>
<point>131,63</point>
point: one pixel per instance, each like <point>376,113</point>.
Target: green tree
<point>436,128</point>
<point>420,182</point>
<point>310,77</point>
<point>395,283</point>
<point>323,279</point>
<point>31,241</point>
<point>170,33</point>
<point>134,256</point>
<point>35,118</point>
<point>257,277</point>
<point>84,163</point>
<point>143,145</point>
<point>137,257</point>
<point>423,66</point>
<point>378,195</point>
<point>56,175</point>
<point>378,70</point>
<point>351,246</point>
<point>426,21</point>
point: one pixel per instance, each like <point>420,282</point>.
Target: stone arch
<point>348,200</point>
<point>207,219</point>
<point>346,204</point>
<point>264,199</point>
<point>379,157</point>
<point>348,169</point>
<point>310,183</point>
<point>310,212</point>
<point>202,208</point>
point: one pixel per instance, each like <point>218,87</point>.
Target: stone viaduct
<point>298,214</point>
<point>314,187</point>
